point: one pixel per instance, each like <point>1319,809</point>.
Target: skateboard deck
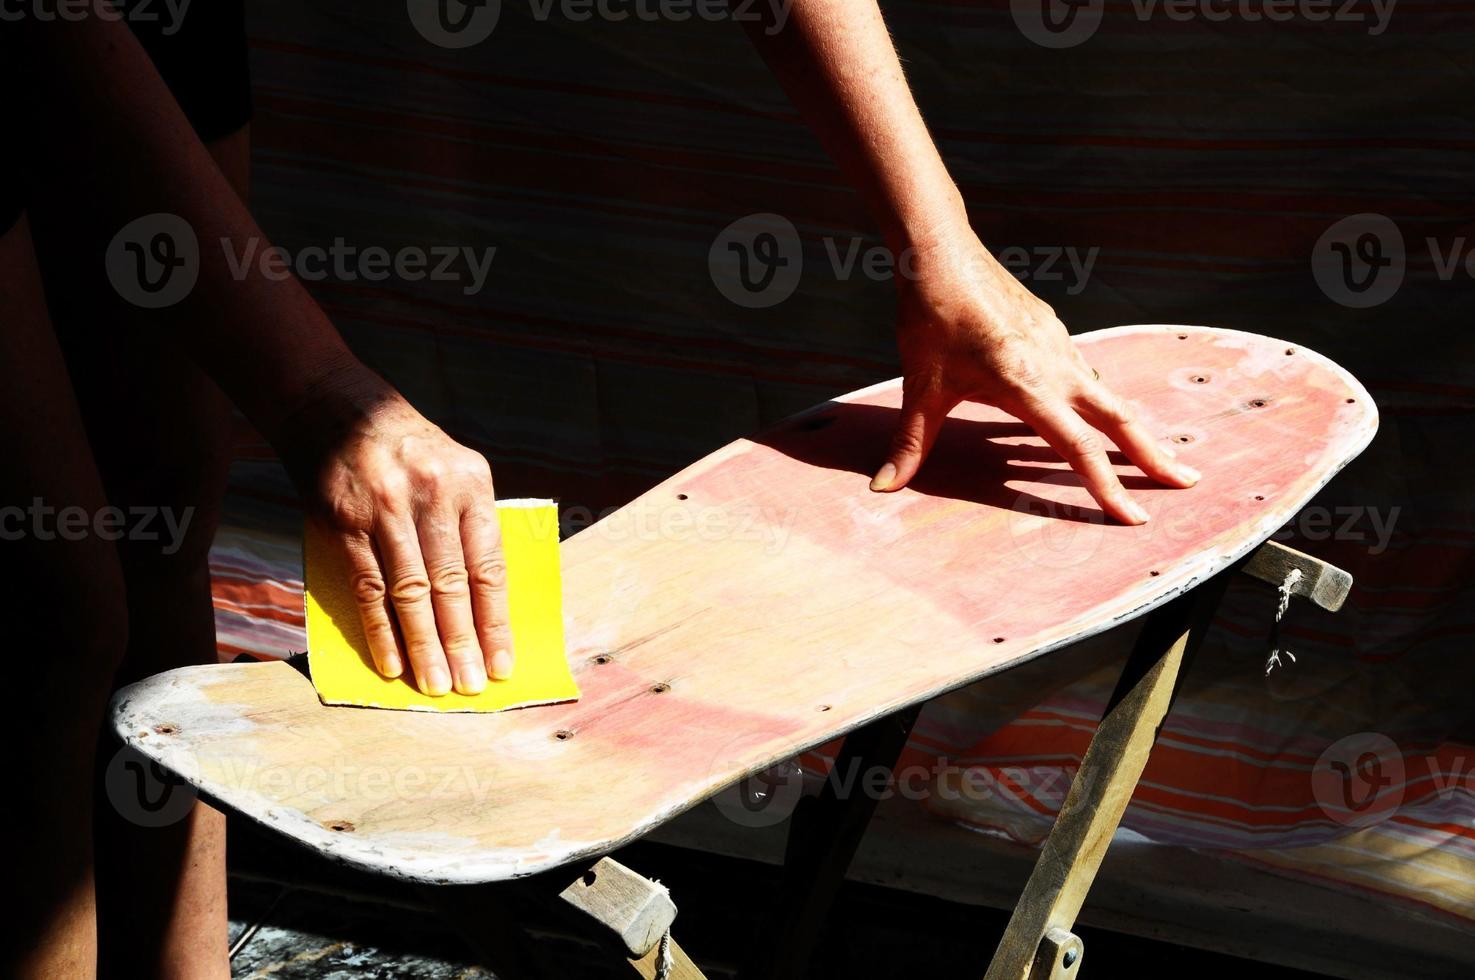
<point>764,601</point>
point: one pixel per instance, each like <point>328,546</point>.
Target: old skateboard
<point>763,601</point>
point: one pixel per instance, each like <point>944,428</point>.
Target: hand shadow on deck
<point>967,462</point>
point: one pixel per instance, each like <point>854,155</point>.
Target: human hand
<point>415,515</point>
<point>969,330</point>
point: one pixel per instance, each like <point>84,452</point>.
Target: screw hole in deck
<point>341,826</point>
<point>1259,496</point>
<point>998,639</point>
<point>823,707</point>
<point>601,659</point>
<point>1154,573</point>
<point>1258,402</point>
<point>681,496</point>
<point>167,729</point>
<point>1183,336</point>
<point>1183,438</point>
<point>1290,351</point>
<point>563,734</point>
<point>660,688</point>
<point>1200,379</point>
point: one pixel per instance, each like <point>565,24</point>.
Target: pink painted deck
<point>763,601</point>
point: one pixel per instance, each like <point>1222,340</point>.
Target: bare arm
<point>967,328</point>
<point>412,509</point>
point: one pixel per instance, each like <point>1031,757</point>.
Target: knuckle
<point>1115,410</point>
<point>1080,445</point>
<point>908,440</point>
<point>410,588</point>
<point>490,573</point>
<point>368,588</point>
<point>424,653</point>
<point>474,465</point>
<point>462,650</point>
<point>496,636</point>
<point>390,490</point>
<point>349,511</point>
<point>449,580</point>
<point>1018,368</point>
<point>432,474</point>
<point>380,634</point>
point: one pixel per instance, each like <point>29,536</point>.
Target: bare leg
<point>66,623</point>
<point>161,429</point>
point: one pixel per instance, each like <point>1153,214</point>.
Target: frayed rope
<point>1285,589</point>
<point>664,960</point>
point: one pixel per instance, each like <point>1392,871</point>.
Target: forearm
<point>106,127</point>
<point>837,63</point>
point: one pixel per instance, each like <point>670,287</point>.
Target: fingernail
<point>1136,512</point>
<point>474,684</point>
<point>436,682</point>
<point>393,666</point>
<point>501,665</point>
<point>884,477</point>
<point>1189,473</point>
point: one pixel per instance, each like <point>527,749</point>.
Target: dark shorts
<point>202,60</point>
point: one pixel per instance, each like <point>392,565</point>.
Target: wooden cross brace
<point>634,913</point>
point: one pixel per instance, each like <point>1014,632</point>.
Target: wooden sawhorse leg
<point>824,833</point>
<point>1038,943</point>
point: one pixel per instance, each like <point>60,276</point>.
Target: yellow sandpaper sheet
<point>343,670</point>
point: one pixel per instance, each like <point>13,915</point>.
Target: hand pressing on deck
<point>415,514</point>
<point>967,329</point>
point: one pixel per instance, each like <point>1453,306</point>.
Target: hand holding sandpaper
<point>342,665</point>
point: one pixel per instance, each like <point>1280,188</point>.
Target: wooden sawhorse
<point>634,915</point>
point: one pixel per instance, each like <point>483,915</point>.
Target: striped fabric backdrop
<point>1192,165</point>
